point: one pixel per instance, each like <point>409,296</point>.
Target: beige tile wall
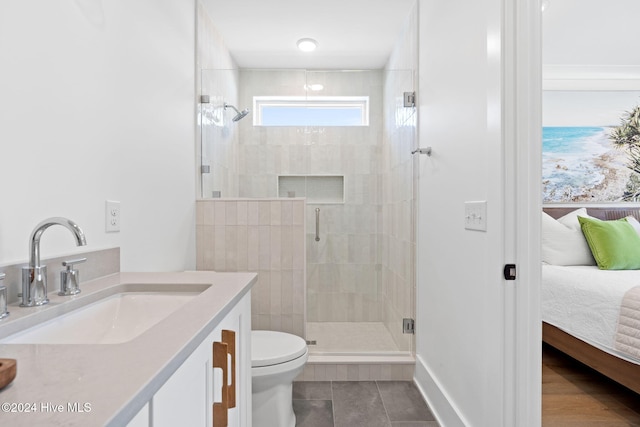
<point>266,236</point>
<point>357,372</point>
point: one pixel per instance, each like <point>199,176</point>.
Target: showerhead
<point>240,114</point>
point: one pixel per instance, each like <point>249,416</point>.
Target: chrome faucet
<point>34,276</point>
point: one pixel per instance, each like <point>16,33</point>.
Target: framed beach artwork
<point>591,146</point>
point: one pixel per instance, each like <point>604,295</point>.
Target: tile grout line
<point>333,407</point>
<point>383,405</point>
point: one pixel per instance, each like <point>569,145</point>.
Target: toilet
<point>276,359</point>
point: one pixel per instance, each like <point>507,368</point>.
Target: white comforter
<point>585,301</point>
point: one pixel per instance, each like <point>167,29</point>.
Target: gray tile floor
<point>360,404</point>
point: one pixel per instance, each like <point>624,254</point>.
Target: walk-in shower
<point>350,157</point>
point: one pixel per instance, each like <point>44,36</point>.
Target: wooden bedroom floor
<point>574,395</point>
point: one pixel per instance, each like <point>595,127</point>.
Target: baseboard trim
<point>436,397</point>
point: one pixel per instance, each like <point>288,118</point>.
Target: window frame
<point>337,102</point>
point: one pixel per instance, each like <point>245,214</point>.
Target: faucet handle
<point>70,277</point>
<point>69,263</point>
<point>4,297</point>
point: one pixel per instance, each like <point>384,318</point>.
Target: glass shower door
<point>218,156</point>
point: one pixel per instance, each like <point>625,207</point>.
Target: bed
<point>580,315</point>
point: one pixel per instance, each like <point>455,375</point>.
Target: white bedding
<point>585,302</point>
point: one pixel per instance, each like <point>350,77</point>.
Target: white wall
<point>97,103</point>
<point>460,293</point>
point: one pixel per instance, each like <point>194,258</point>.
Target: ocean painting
<point>580,162</point>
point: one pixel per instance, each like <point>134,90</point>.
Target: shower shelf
<point>319,189</point>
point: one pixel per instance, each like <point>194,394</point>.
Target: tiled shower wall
<point>343,278</point>
<point>264,236</point>
<point>217,136</point>
<point>399,189</point>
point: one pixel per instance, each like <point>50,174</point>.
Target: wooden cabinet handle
<point>221,350</point>
<point>229,338</point>
<point>220,409</point>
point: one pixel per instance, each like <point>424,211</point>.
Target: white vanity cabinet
<point>189,395</point>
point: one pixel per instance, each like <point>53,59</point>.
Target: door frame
<point>522,136</point>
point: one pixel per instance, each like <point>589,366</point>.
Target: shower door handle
<point>317,224</point>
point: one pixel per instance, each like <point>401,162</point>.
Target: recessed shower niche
<point>316,189</point>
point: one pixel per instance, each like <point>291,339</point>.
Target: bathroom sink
<point>114,319</point>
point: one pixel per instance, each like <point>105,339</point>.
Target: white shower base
<point>355,351</point>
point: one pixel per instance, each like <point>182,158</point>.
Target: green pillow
<point>615,245</point>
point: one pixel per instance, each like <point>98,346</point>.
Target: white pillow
<point>571,219</point>
<point>563,242</point>
<point>634,223</point>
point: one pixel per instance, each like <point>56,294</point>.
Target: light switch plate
<point>475,215</point>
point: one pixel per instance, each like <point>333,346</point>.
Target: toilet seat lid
<point>272,348</point>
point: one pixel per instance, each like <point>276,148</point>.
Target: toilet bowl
<point>276,359</point>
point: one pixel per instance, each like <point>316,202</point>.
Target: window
<point>311,111</point>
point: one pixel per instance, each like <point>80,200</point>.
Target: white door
<point>477,334</point>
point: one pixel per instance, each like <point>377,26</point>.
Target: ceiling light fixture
<point>307,45</point>
<point>314,87</point>
<point>545,5</point>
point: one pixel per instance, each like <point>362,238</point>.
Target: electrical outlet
<point>475,216</point>
<point>112,216</point>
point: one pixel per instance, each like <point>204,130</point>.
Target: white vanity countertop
<point>114,380</point>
